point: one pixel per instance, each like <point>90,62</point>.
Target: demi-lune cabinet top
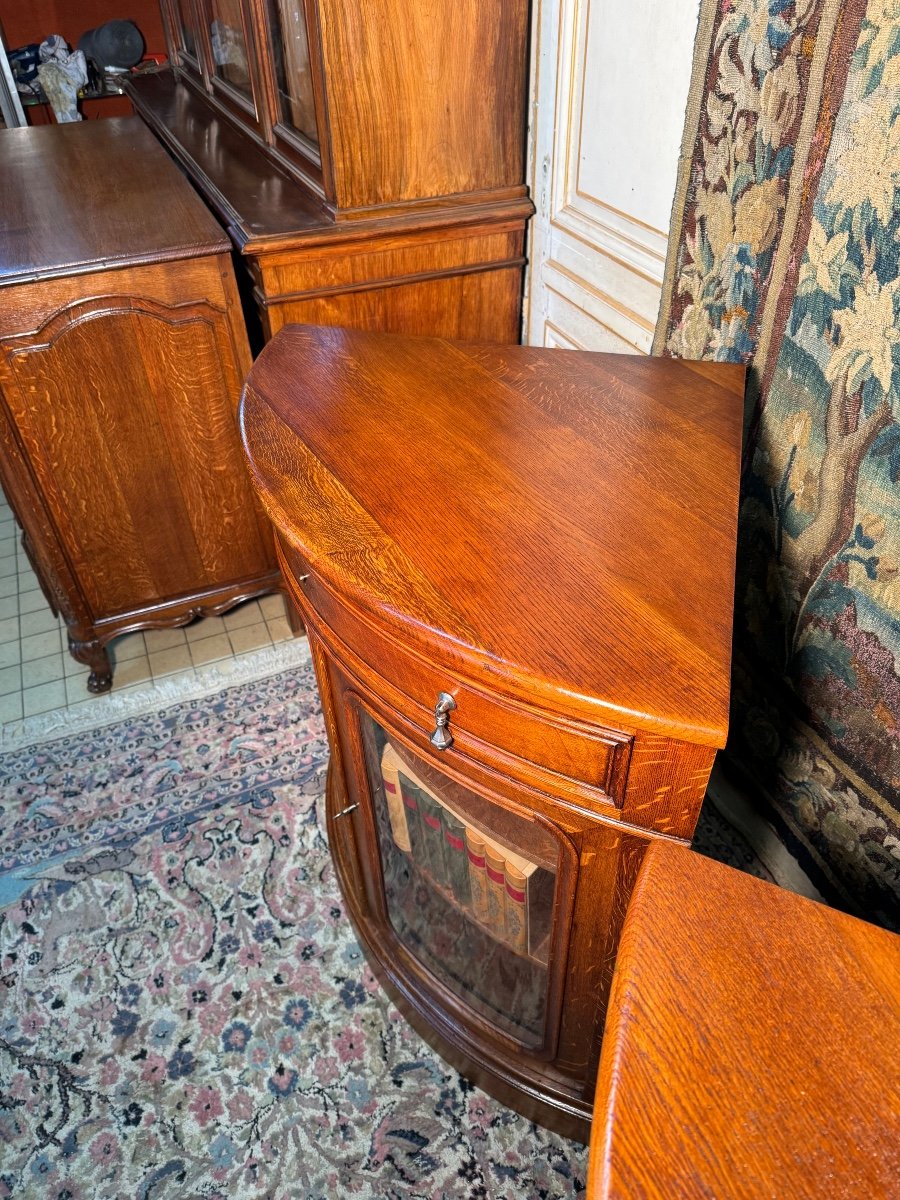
<point>94,194</point>
<point>559,525</point>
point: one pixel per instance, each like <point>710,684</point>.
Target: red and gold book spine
<point>410,796</point>
<point>495,865</point>
<point>433,831</point>
<point>475,849</point>
<point>456,857</point>
<point>516,918</point>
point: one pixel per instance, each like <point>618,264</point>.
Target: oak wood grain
<point>576,761</point>
<point>609,524</point>
<point>120,368</point>
<point>437,97</point>
<point>455,303</point>
<point>752,1045</point>
<point>411,214</point>
<point>77,197</point>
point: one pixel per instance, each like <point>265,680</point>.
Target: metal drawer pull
<point>345,811</point>
<point>442,737</point>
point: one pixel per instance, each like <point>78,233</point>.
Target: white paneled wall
<point>609,86</point>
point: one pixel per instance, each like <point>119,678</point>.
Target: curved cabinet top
<point>559,525</point>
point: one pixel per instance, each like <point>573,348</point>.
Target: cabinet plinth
<point>516,570</point>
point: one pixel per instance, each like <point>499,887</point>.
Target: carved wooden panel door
<point>126,408</point>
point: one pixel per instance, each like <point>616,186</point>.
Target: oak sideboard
<point>122,352</point>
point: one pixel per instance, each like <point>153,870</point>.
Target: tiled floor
<point>38,675</point>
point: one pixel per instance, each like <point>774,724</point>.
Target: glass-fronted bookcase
<point>487,907</point>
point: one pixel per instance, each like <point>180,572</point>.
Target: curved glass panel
<point>469,885</point>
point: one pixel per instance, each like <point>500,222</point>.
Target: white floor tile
<point>280,629</point>
<point>164,639</point>
<point>41,620</point>
<point>11,707</point>
<point>43,670</point>
<point>272,606</point>
<point>10,655</point>
<point>133,670</point>
<point>39,645</point>
<point>43,698</point>
<point>10,679</point>
<point>244,614</point>
<point>132,645</point>
<point>207,627</point>
<point>172,660</point>
<point>210,649</point>
<point>249,637</point>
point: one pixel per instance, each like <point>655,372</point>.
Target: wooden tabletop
<point>752,1047</point>
<point>563,521</point>
<point>90,194</point>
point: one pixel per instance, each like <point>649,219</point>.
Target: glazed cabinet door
<point>475,889</point>
<point>258,60</point>
<point>496,907</point>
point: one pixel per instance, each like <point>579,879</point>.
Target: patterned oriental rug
<point>784,255</point>
<point>184,1011</point>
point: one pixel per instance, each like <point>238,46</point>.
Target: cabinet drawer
<point>565,757</point>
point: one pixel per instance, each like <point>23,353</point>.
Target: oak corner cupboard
<point>366,158</point>
<point>515,566</point>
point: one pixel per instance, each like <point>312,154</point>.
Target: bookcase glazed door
<point>470,886</point>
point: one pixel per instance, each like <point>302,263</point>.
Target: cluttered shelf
<point>54,81</point>
<point>101,90</point>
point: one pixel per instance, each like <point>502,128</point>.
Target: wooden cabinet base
<point>449,266</point>
<point>93,651</point>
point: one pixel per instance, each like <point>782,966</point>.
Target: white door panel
<point>610,81</point>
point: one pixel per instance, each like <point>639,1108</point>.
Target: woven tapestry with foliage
<point>784,255</point>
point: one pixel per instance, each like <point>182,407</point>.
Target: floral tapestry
<point>785,255</point>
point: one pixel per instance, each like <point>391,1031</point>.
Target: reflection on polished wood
<point>400,203</point>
